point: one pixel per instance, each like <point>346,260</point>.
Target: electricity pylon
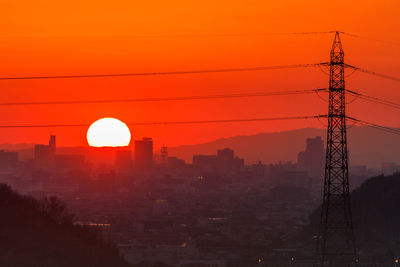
<point>335,243</point>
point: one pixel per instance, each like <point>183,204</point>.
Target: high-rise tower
<point>144,153</point>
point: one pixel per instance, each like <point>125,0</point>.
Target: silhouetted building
<point>8,161</point>
<point>143,153</point>
<point>103,184</point>
<point>359,170</point>
<point>225,159</point>
<point>225,156</point>
<point>259,169</point>
<point>312,159</point>
<point>224,162</point>
<point>123,160</point>
<point>289,193</point>
<point>238,164</point>
<point>44,155</point>
<point>52,144</point>
<point>69,162</point>
<point>164,155</point>
<point>174,162</point>
<point>389,168</point>
<point>205,162</point>
<point>227,162</point>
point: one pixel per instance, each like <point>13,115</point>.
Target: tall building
<point>227,162</point>
<point>164,155</point>
<point>143,153</point>
<point>44,155</point>
<point>223,162</point>
<point>205,162</point>
<point>312,159</point>
<point>225,158</point>
<point>69,162</point>
<point>174,162</point>
<point>52,144</point>
<point>123,160</point>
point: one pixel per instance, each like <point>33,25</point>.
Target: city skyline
<point>199,133</point>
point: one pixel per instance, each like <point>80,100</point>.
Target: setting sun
<point>108,132</point>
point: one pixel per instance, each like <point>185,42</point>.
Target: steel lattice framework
<point>335,245</point>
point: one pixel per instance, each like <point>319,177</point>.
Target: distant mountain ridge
<point>14,147</point>
<point>367,146</point>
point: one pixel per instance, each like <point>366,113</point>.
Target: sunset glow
<point>263,133</point>
<point>96,37</point>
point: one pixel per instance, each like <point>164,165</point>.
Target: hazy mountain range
<point>366,146</point>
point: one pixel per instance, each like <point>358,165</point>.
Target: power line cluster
<point>204,97</point>
<point>172,122</point>
<point>369,38</point>
<point>160,99</point>
<point>370,72</point>
<point>375,99</point>
<point>200,71</point>
<point>376,126</point>
<point>382,75</point>
<point>162,73</point>
<point>201,35</point>
<point>143,36</point>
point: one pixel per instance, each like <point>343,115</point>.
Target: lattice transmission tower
<point>335,245</point>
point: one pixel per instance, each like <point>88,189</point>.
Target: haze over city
<point>200,134</point>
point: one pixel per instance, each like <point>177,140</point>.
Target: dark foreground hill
<point>41,233</point>
<point>376,214</point>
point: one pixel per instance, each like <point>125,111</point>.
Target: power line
<point>370,39</point>
<point>171,122</point>
<point>389,77</point>
<point>375,99</point>
<point>146,36</point>
<point>376,126</point>
<point>198,35</point>
<point>203,71</point>
<point>158,99</point>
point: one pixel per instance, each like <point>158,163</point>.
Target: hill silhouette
<point>375,206</point>
<point>367,146</point>
<point>41,233</point>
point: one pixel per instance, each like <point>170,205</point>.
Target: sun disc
<point>108,132</point>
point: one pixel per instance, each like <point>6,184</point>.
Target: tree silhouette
<point>41,233</point>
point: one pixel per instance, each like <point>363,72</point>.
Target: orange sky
<point>90,37</point>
